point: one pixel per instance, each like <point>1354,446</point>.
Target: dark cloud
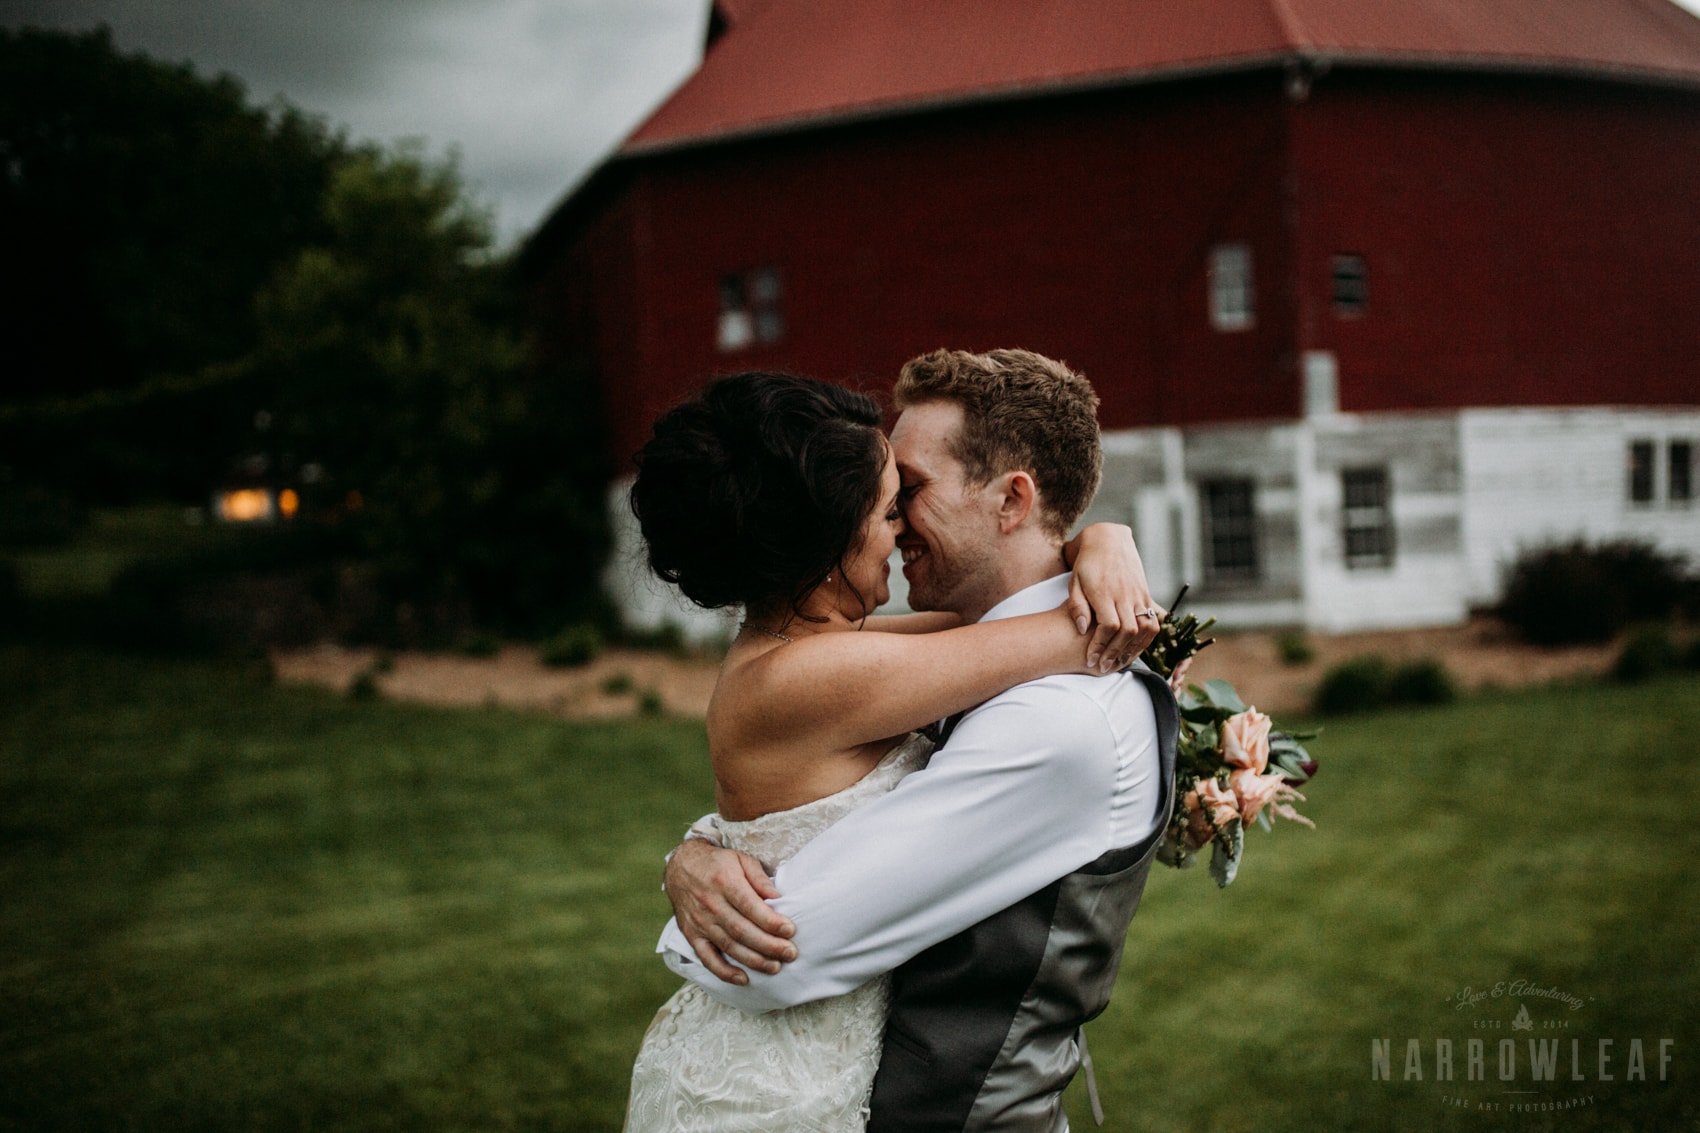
<point>531,92</point>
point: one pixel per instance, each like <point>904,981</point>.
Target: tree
<point>142,206</point>
<point>390,355</point>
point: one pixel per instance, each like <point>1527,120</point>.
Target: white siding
<point>1534,476</point>
<point>1468,490</point>
<point>1424,584</point>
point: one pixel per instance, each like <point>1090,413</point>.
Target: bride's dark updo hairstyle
<point>755,490</point>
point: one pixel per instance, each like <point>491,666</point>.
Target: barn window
<point>1231,306</point>
<point>1640,472</point>
<point>1351,285</point>
<point>750,309</point>
<point>1230,531</point>
<point>1681,472</point>
<point>1366,519</point>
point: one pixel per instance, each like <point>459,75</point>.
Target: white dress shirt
<point>1032,785</point>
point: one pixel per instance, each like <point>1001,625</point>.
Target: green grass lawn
<point>113,539</point>
<point>227,905</point>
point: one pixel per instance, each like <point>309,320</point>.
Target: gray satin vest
<point>982,1029</point>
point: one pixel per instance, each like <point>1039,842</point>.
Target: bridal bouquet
<point>1232,767</point>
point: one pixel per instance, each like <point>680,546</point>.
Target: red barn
<point>1322,259</point>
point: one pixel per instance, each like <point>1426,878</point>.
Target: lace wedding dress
<point>705,1067</point>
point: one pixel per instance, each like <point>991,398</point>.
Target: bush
<point>617,684</point>
<point>364,687</point>
<point>481,645</point>
<point>1421,682</point>
<point>1357,685</point>
<point>650,703</point>
<point>666,638</point>
<point>33,516</point>
<point>1363,684</point>
<point>1574,592</point>
<point>11,591</point>
<point>1648,652</point>
<point>1294,648</point>
<point>573,646</point>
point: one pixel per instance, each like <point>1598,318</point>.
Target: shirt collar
<point>1035,599</point>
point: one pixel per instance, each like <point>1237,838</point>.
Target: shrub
<point>650,703</point>
<point>32,516</point>
<point>363,687</point>
<point>1421,682</point>
<point>1366,683</point>
<point>481,645</point>
<point>1648,652</point>
<point>572,647</point>
<point>11,592</point>
<point>665,638</point>
<point>1574,592</point>
<point>1357,685</point>
<point>617,684</point>
<point>1294,648</point>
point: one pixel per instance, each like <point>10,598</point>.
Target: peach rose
<point>1245,740</point>
<point>1256,791</point>
<point>1209,806</point>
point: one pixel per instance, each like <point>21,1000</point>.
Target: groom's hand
<point>719,901</point>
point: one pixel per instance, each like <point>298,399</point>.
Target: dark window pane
<point>1366,519</point>
<point>732,293</point>
<point>1641,472</point>
<point>1681,471</point>
<point>1351,285</point>
<point>1230,534</point>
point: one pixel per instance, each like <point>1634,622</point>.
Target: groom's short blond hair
<point>1020,411</point>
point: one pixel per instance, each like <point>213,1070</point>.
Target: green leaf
<point>1225,854</point>
<point>1203,713</point>
<point>1223,695</point>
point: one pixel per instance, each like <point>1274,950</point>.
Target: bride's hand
<point>1109,588</point>
<point>718,900</point>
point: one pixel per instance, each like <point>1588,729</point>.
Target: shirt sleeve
<point>1020,796</point>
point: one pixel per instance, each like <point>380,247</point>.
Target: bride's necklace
<point>773,633</point>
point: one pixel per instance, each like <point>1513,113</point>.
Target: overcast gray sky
<point>532,92</point>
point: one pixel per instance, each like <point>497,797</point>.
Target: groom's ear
<point>1018,499</point>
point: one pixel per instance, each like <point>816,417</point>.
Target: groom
<point>997,883</point>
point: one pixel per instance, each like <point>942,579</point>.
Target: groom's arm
<point>1022,795</point>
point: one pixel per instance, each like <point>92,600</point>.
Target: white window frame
<point>1233,288</point>
<point>750,309</point>
<point>1239,527</point>
<point>1362,518</point>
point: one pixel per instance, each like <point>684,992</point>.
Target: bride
<point>779,495</point>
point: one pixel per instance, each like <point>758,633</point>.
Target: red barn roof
<point>796,63</point>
